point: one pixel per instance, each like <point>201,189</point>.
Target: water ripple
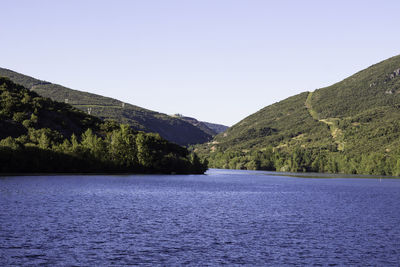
<point>232,218</point>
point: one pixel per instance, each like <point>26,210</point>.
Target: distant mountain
<point>170,128</point>
<point>352,126</point>
<point>217,128</point>
<point>209,128</point>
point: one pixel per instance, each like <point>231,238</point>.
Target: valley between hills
<point>352,127</point>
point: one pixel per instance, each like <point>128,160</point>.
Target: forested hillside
<point>41,135</point>
<point>352,126</point>
<point>170,128</point>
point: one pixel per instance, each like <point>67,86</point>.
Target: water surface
<point>224,217</point>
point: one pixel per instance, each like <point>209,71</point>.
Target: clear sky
<point>215,60</point>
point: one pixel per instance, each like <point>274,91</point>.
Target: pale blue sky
<point>215,60</point>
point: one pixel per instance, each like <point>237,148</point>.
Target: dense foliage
<point>309,160</point>
<point>40,135</point>
<point>171,128</point>
<point>350,127</point>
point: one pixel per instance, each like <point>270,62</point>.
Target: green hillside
<point>352,126</point>
<point>170,128</point>
<point>38,135</point>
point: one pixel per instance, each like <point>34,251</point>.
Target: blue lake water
<point>224,217</point>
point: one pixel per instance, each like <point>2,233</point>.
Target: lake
<point>224,217</point>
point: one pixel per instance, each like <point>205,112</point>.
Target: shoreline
<point>312,175</point>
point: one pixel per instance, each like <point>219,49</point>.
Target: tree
<point>123,148</point>
<point>94,144</point>
<point>44,141</point>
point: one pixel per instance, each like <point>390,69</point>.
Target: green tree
<point>123,148</point>
<point>94,144</point>
<point>44,141</point>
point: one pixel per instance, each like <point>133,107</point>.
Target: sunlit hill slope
<point>352,126</point>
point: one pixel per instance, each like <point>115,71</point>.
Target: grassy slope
<point>172,129</point>
<point>280,125</point>
<point>365,108</point>
<point>360,114</point>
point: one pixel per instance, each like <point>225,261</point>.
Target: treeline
<point>41,135</point>
<point>121,151</point>
<point>306,160</point>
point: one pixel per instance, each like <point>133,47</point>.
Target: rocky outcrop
<point>393,75</point>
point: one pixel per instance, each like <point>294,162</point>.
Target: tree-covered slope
<point>352,126</point>
<point>170,128</point>
<point>22,110</point>
<point>41,135</point>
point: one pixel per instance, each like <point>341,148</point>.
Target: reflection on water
<point>224,217</point>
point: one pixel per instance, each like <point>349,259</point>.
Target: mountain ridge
<point>172,129</point>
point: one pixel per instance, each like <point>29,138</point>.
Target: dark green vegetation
<point>41,135</point>
<point>350,127</point>
<point>171,128</point>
